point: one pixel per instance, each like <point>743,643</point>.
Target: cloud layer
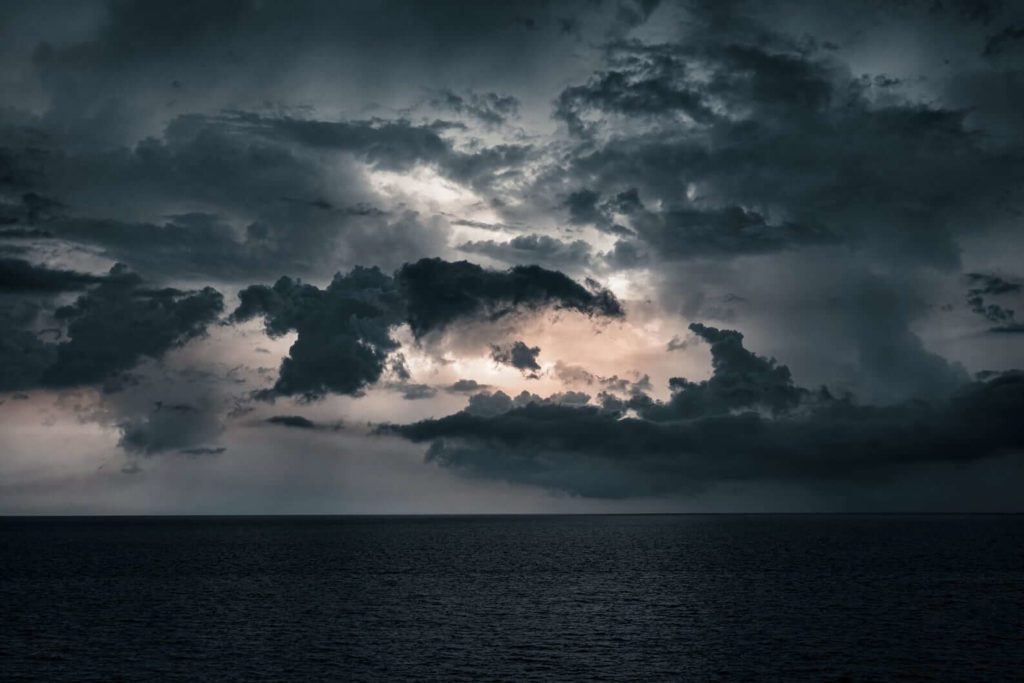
<point>538,238</point>
<point>749,421</point>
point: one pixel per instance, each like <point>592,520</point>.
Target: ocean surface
<point>717,597</point>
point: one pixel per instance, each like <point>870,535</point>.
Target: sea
<point>513,598</point>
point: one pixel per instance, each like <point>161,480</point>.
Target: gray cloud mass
<point>209,207</point>
<point>749,421</point>
<point>344,331</point>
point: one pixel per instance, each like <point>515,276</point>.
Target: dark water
<point>513,598</point>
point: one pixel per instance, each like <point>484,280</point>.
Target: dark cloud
<point>774,167</point>
<point>120,322</point>
<point>210,196</point>
<point>742,380</point>
<point>677,344</point>
<point>748,422</point>
<point>204,450</point>
<point>30,207</point>
<point>727,232</point>
<point>416,392</point>
<point>1009,38</point>
<point>292,421</point>
<point>574,374</point>
<point>491,404</point>
<point>564,398</point>
<point>519,356</point>
<point>582,205</point>
<point>586,208</point>
<point>483,225</point>
<point>639,92</point>
<point>981,286</point>
<point>489,108</point>
<point>578,375</point>
<point>131,467</point>
<point>789,149</point>
<point>231,195</point>
<point>188,244</point>
<point>344,331</point>
<point>1009,328</point>
<point>534,249</point>
<point>142,60</point>
<point>158,409</point>
<point>439,293</point>
<point>178,427</point>
<point>393,145</point>
<point>24,233</point>
<point>17,275</point>
<point>24,357</point>
<point>466,386</point>
<point>853,329</point>
<point>487,404</point>
<point>663,82</point>
<point>992,284</point>
<point>790,169</point>
<point>106,330</point>
<point>399,367</point>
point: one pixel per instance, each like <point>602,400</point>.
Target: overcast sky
<point>397,257</point>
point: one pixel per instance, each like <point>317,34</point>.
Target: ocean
<point>515,598</point>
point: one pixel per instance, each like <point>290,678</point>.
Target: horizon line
<point>327,515</point>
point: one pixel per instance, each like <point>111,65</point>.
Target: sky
<point>460,257</point>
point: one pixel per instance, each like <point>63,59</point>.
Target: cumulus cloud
<point>726,232</point>
<point>740,172</point>
<point>768,167</point>
<point>416,392</point>
<point>112,327</point>
<point>392,145</point>
<point>519,356</point>
<point>466,386</point>
<point>236,196</point>
<point>741,380</point>
<point>106,331</point>
<point>439,293</point>
<point>579,375</point>
<point>748,422</point>
<point>534,249</point>
<point>492,404</point>
<point>488,107</point>
<point>345,331</point>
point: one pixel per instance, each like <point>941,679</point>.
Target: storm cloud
<point>206,208</point>
<point>757,121</point>
<point>178,427</point>
<point>517,355</point>
<point>439,293</point>
<point>296,421</point>
<point>1002,318</point>
<point>534,249</point>
<point>105,331</point>
<point>345,331</point>
<point>17,275</point>
<point>748,422</point>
